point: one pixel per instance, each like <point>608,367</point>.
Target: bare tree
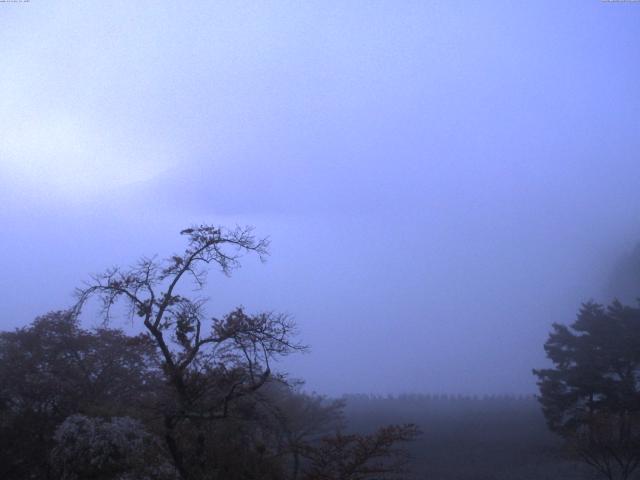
<point>208,364</point>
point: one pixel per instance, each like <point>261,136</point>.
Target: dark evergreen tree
<point>591,395</point>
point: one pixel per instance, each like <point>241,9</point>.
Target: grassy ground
<point>495,438</point>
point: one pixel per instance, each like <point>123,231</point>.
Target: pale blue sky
<point>441,180</point>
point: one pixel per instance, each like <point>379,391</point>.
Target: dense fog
<point>439,181</point>
<point>319,240</point>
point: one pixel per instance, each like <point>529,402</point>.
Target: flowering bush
<point>117,448</point>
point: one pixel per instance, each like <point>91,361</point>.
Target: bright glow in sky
<point>63,137</point>
<point>65,157</point>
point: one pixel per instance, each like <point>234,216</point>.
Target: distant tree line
<point>439,397</point>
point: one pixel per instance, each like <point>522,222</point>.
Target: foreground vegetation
<point>195,398</point>
<point>189,398</point>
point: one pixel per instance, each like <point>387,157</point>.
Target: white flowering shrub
<point>107,449</point>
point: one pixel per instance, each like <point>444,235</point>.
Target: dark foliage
<point>591,396</point>
<point>53,369</point>
<point>360,457</point>
<point>192,398</point>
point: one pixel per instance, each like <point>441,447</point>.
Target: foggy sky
<point>440,180</point>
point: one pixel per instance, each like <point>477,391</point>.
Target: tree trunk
<point>174,450</point>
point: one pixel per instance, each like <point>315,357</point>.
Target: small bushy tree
<point>360,457</point>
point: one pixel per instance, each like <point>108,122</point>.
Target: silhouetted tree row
<point>440,397</point>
